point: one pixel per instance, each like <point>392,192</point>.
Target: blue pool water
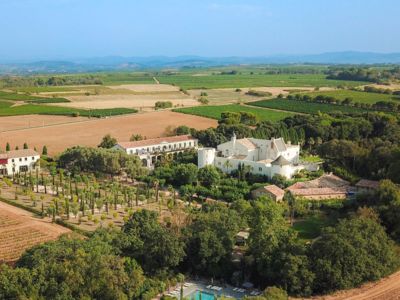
<point>204,296</point>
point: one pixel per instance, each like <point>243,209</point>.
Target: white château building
<point>18,161</point>
<point>264,157</point>
<point>150,150</point>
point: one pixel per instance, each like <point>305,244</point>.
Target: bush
<point>163,104</point>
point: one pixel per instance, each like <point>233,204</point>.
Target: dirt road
<point>385,289</point>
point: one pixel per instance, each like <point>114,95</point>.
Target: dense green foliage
<point>365,74</point>
<point>359,244</point>
<point>78,159</point>
<point>163,104</point>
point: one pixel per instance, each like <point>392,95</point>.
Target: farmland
<point>356,96</point>
<point>58,137</point>
<point>189,81</point>
<point>214,112</point>
<point>31,109</point>
<point>304,107</point>
<point>19,231</point>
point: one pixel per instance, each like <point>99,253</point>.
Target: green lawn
<point>188,81</point>
<point>214,112</point>
<point>305,107</point>
<point>310,228</point>
<point>361,97</point>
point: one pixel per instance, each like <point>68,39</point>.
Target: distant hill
<point>117,63</point>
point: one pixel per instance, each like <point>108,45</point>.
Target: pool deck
<point>192,286</point>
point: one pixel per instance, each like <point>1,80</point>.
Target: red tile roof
<point>365,183</point>
<point>318,191</point>
<point>273,189</point>
<point>156,141</point>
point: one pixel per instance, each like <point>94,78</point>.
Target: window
<point>20,159</point>
<point>190,144</point>
<point>13,160</point>
<point>33,158</point>
<point>260,169</point>
<point>131,151</point>
<point>26,158</point>
<point>23,168</point>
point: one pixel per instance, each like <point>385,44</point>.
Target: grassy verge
<point>214,112</point>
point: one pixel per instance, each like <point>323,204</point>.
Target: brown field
<point>385,289</point>
<point>141,101</point>
<point>142,96</point>
<point>29,121</point>
<point>19,230</point>
<point>89,133</point>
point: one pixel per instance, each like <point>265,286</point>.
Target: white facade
<point>18,161</point>
<point>149,151</point>
<point>262,157</point>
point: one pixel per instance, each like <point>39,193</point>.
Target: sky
<point>62,29</point>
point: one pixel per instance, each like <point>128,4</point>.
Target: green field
<point>214,112</point>
<point>44,89</point>
<point>32,109</point>
<point>49,100</point>
<point>125,78</point>
<point>305,107</point>
<point>188,81</point>
<point>30,98</point>
<point>361,97</point>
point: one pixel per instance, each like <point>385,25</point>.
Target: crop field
<point>214,112</point>
<point>19,231</point>
<point>89,132</point>
<point>305,107</point>
<point>189,81</point>
<point>33,109</point>
<point>140,96</point>
<point>361,97</point>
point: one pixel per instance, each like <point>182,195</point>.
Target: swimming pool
<point>204,296</point>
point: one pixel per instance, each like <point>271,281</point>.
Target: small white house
<point>149,151</point>
<point>18,161</point>
<point>263,157</point>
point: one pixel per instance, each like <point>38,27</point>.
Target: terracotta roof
<point>281,161</point>
<point>21,153</point>
<point>156,141</point>
<point>318,191</point>
<point>247,143</point>
<point>325,181</point>
<point>365,183</point>
<point>275,190</point>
